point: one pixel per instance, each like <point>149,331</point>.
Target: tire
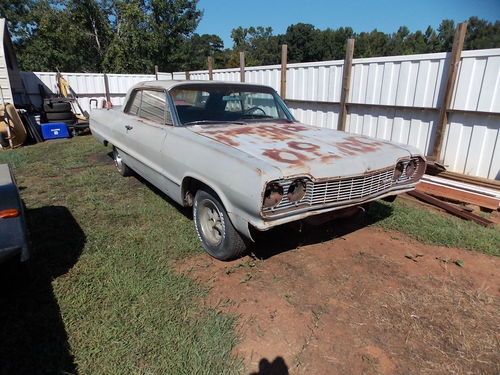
<point>60,116</point>
<point>224,243</point>
<point>50,106</point>
<point>120,165</point>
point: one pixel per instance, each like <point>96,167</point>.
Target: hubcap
<point>118,160</point>
<point>211,222</point>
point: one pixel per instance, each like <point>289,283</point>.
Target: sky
<point>221,16</point>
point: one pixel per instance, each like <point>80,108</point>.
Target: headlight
<point>296,190</point>
<point>398,172</point>
<point>411,167</point>
<point>409,170</point>
<point>273,194</point>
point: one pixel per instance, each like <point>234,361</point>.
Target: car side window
<point>154,107</point>
<point>135,103</point>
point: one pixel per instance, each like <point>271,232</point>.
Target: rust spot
<point>275,132</point>
<point>286,156</point>
<point>303,146</point>
<point>226,140</point>
<point>353,146</point>
<point>329,157</point>
<point>295,127</point>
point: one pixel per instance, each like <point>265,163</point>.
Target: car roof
<point>169,84</point>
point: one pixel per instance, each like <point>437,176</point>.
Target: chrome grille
<point>337,190</point>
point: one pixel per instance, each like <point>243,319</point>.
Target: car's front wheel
<point>217,234</point>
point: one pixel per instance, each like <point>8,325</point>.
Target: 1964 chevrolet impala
<point>235,153</point>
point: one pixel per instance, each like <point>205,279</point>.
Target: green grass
<point>102,297</point>
<point>434,228</point>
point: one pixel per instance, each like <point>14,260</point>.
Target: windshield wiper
<point>213,122</point>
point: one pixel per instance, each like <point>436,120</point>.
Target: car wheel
<point>120,165</point>
<point>217,234</point>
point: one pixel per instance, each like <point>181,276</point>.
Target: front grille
<point>337,190</point>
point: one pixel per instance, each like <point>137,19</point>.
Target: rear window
<point>150,105</point>
<point>153,106</point>
<point>135,103</point>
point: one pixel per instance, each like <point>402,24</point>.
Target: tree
<point>131,36</point>
<point>304,42</point>
<point>194,51</point>
<point>446,31</point>
<point>261,46</point>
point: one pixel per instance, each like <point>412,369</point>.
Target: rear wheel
<point>217,234</point>
<point>120,165</point>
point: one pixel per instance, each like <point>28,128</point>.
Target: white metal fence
<point>88,86</point>
<point>394,98</point>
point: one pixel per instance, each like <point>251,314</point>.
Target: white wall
<point>86,85</point>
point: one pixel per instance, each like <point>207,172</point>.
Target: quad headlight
<point>273,194</point>
<point>297,190</point>
<point>284,191</point>
<point>409,170</point>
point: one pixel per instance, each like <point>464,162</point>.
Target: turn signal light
<point>9,213</point>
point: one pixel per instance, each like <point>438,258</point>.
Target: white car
<point>235,153</point>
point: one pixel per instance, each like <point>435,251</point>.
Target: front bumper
<point>267,223</point>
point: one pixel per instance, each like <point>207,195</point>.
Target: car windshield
<point>216,104</point>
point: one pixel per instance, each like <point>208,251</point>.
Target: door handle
<point>129,127</point>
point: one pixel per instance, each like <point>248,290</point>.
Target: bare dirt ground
<point>365,302</point>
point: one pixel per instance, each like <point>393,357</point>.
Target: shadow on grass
<point>284,238</point>
<point>33,338</point>
<point>135,178</point>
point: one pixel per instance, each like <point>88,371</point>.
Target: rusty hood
<point>294,148</point>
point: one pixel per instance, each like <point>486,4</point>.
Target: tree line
<point>132,36</point>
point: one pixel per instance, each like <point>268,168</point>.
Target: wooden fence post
<point>242,66</point>
<point>210,68</point>
<point>346,83</point>
<point>188,76</point>
<point>456,52</point>
<point>156,72</point>
<point>106,91</point>
<point>284,58</point>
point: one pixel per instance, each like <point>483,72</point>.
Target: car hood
<point>294,148</point>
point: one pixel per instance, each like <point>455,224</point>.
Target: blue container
<point>54,130</point>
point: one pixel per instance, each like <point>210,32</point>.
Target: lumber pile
<point>442,192</point>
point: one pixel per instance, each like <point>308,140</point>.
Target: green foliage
<point>132,36</point>
<point>306,43</point>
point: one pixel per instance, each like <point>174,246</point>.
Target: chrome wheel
<point>118,160</point>
<point>211,222</point>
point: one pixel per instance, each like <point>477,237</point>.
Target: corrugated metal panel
<point>87,86</point>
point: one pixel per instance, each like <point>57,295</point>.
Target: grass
<point>435,229</point>
<point>101,295</point>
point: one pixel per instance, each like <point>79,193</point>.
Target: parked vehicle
<point>13,240</point>
<point>235,153</point>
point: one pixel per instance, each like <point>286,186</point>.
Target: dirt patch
<point>370,302</point>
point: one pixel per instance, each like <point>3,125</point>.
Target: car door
<point>148,124</point>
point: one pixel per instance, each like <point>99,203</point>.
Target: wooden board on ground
<point>458,195</point>
<point>451,209</point>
